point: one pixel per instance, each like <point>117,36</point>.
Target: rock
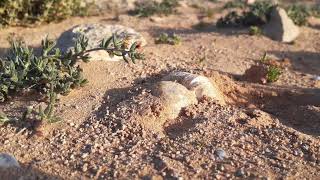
<point>174,97</point>
<point>220,153</point>
<point>200,85</point>
<point>281,27</point>
<point>239,173</point>
<point>8,161</point>
<point>95,33</point>
<point>251,1</point>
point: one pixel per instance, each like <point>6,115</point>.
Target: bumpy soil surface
<point>111,128</point>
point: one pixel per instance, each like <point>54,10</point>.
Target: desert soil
<point>110,127</point>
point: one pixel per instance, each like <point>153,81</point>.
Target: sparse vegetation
<point>255,31</point>
<point>164,38</point>
<point>233,19</point>
<point>273,71</point>
<point>273,74</point>
<point>299,14</point>
<point>29,11</point>
<point>53,72</point>
<point>256,15</point>
<point>235,4</point>
<point>3,118</point>
<point>149,8</point>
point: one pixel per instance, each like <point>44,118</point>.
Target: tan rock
<point>95,33</point>
<point>281,27</point>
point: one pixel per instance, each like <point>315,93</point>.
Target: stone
<point>201,85</point>
<point>95,33</point>
<point>281,27</point>
<point>220,153</point>
<point>8,161</point>
<point>174,97</point>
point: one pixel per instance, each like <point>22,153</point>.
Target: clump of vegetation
<point>256,14</point>
<point>299,14</point>
<point>232,19</point>
<point>273,71</point>
<point>149,8</point>
<point>19,12</point>
<point>53,72</point>
<point>3,118</point>
<point>164,38</point>
<point>273,74</point>
<point>255,31</point>
<point>235,4</point>
<point>315,10</point>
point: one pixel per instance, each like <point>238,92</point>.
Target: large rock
<point>281,27</point>
<point>174,97</point>
<point>200,85</point>
<point>8,161</point>
<point>95,33</point>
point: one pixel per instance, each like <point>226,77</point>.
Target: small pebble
<point>220,153</point>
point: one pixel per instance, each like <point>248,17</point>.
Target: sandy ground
<point>265,131</point>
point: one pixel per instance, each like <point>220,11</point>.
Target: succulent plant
<point>53,72</point>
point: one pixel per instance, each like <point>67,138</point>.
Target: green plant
<point>164,38</point>
<point>3,118</point>
<point>256,14</point>
<point>273,73</point>
<point>255,31</point>
<point>53,72</point>
<point>315,10</point>
<point>232,19</point>
<point>17,12</point>
<point>235,4</point>
<point>149,8</point>
<point>299,14</point>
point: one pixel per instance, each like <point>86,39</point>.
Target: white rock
<point>95,33</point>
<point>281,27</point>
<point>201,85</point>
<point>7,161</point>
<point>174,97</point>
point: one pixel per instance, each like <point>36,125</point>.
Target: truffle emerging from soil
<point>174,97</point>
<point>200,85</point>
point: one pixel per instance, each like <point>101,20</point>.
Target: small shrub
<point>17,12</point>
<point>3,118</point>
<point>233,19</point>
<point>299,14</point>
<point>273,74</point>
<point>52,72</point>
<point>149,8</point>
<point>164,38</point>
<point>255,31</point>
<point>235,4</point>
<point>273,71</point>
<point>256,15</point>
<point>315,10</point>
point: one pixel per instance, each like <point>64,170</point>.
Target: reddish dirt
<point>112,128</point>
